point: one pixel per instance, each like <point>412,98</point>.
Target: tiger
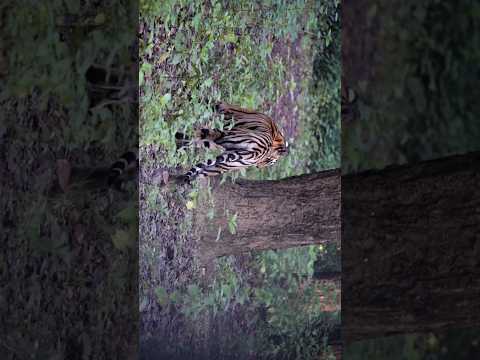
<point>253,139</point>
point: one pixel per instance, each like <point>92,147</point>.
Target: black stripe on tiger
<point>118,168</point>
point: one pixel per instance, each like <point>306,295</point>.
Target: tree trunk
<point>411,248</point>
<point>296,211</point>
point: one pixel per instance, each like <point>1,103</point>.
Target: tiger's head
<point>279,148</point>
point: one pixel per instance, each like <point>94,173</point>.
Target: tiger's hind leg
<point>204,137</point>
<point>228,161</point>
<point>209,138</point>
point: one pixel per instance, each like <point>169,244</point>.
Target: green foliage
<point>232,223</point>
<point>223,293</point>
<point>294,323</point>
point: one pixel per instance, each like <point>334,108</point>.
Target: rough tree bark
<point>296,211</point>
<point>411,248</point>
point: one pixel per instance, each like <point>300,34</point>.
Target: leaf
<point>163,57</point>
<point>146,68</point>
<point>175,297</point>
<point>129,214</point>
<point>190,204</point>
<point>143,304</point>
<point>162,296</point>
<point>232,228</point>
<point>227,291</point>
<point>121,240</point>
<point>194,291</point>
<point>193,194</point>
<point>99,19</point>
<point>196,21</point>
<point>165,99</point>
<point>211,214</point>
<point>232,224</point>
<point>231,38</point>
<point>176,59</point>
<point>208,82</point>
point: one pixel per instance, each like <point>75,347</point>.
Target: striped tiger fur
<point>120,169</point>
<point>253,140</point>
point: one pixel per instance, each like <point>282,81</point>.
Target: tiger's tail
<point>181,140</point>
<point>121,167</point>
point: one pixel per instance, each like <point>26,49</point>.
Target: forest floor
<point>168,250</point>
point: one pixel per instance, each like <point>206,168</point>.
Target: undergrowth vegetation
<point>276,57</point>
